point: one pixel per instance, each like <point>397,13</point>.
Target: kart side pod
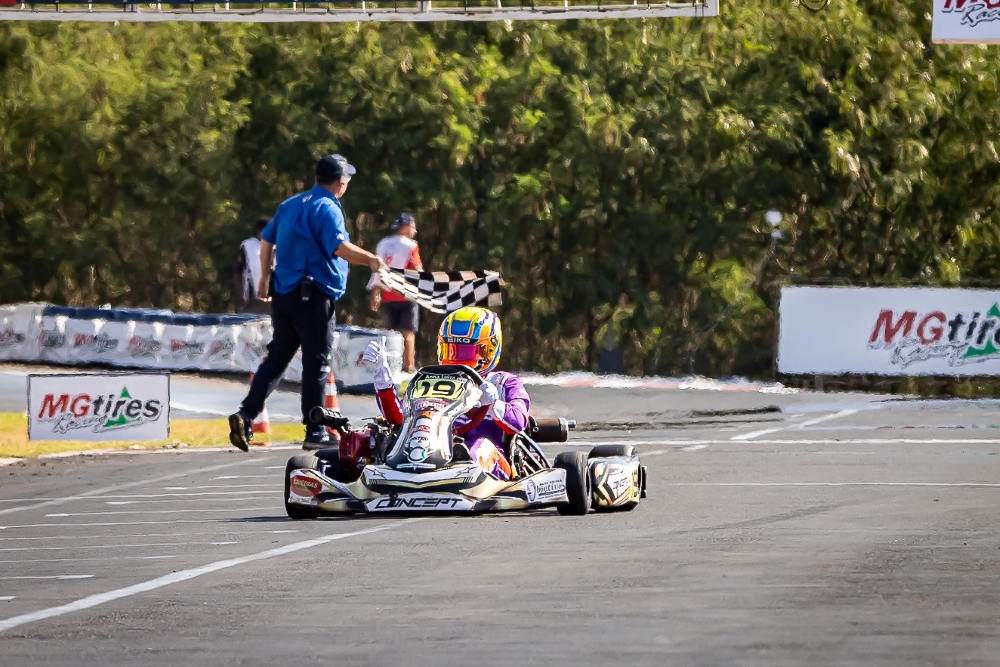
<point>617,481</point>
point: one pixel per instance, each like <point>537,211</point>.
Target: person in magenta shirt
<point>472,337</point>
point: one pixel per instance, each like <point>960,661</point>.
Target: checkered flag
<point>444,291</point>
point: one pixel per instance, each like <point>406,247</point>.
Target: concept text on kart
<point>423,466</point>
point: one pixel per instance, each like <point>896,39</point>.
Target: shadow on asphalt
<point>536,514</point>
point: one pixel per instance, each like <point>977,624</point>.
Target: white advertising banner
<point>162,340</point>
<point>966,22</point>
<point>99,407</point>
<point>888,331</point>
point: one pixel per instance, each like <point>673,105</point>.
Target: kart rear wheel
<point>577,483</point>
<point>329,462</point>
<point>607,451</point>
<point>297,512</point>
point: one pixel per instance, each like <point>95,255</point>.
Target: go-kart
<point>421,466</point>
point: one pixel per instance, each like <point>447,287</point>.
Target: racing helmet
<point>471,336</point>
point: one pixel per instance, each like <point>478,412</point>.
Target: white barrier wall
<point>40,333</point>
<point>888,331</point>
<point>966,22</point>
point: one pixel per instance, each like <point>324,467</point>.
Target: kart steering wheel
<point>453,369</point>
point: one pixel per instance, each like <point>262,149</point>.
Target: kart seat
<point>460,452</point>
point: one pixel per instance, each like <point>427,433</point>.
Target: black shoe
<point>240,430</point>
<point>316,440</point>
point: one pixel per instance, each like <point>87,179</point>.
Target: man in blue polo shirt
<point>310,274</point>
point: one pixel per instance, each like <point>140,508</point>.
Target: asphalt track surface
<point>842,530</point>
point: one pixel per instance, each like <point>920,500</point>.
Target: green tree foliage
<point>616,172</point>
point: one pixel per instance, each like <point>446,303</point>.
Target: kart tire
<point>577,483</point>
<point>607,451</point>
<point>297,512</point>
<point>329,462</point>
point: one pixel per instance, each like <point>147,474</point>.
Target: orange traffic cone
<point>261,427</point>
<point>330,395</point>
<point>262,430</point>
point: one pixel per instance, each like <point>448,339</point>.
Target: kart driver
<point>470,336</point>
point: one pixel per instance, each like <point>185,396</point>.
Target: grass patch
<point>14,441</point>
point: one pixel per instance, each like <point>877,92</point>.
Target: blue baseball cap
<point>332,167</point>
<point>403,220</point>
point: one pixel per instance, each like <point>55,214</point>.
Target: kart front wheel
<point>577,483</point>
<point>296,512</point>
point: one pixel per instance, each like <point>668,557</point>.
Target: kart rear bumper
<point>461,488</point>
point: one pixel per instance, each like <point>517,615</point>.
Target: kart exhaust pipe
<point>320,416</point>
<point>551,430</point>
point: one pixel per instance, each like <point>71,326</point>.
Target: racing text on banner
<point>99,407</point>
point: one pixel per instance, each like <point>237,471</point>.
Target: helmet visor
<point>460,353</point>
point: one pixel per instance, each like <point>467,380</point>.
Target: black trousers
<point>296,323</point>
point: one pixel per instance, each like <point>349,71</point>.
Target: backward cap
<point>403,220</point>
<point>331,167</point>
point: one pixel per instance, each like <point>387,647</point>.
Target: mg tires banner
<point>99,407</point>
<point>888,331</point>
<point>966,22</point>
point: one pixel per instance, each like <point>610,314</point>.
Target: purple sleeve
<point>515,404</point>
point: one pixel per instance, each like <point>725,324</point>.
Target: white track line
<point>199,510</point>
<point>83,547</point>
<point>186,407</point>
<point>115,523</point>
<point>177,577</point>
<point>630,441</point>
<point>883,441</point>
<point>26,500</point>
<point>243,492</point>
<point>76,560</point>
<point>7,598</point>
<point>127,485</point>
<point>214,533</point>
<point>241,498</point>
<point>801,425</point>
<point>271,476</point>
<point>972,485</point>
<point>221,486</point>
<point>63,577</point>
<point>800,441</point>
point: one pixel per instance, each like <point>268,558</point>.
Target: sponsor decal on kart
<point>427,408</point>
<point>379,474</point>
<point>551,489</point>
<point>619,485</point>
<point>301,500</point>
<point>545,487</point>
<point>420,502</point>
<point>306,487</point>
<point>616,481</point>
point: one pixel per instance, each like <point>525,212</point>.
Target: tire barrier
<point>163,340</point>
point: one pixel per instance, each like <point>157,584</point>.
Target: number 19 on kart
<point>426,388</point>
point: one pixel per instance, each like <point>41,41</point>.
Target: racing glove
<point>375,358</point>
<point>490,395</point>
